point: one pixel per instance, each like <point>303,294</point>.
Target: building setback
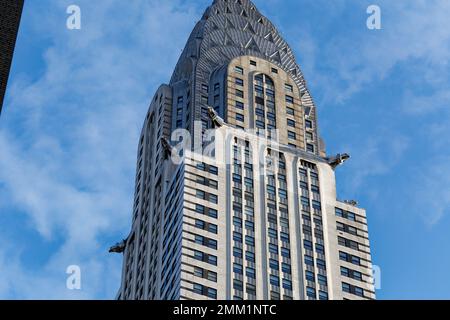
<point>10,14</point>
<point>228,225</point>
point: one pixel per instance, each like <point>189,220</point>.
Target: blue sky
<point>77,99</point>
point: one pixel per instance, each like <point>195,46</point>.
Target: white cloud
<point>375,156</point>
<point>68,146</point>
<point>412,51</point>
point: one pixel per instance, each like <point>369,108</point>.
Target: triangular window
<point>229,24</point>
<point>248,27</point>
<point>269,37</point>
<point>276,56</point>
<point>252,45</point>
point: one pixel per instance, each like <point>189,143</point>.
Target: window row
<point>206,211</point>
<point>204,257</point>
<point>205,274</point>
<point>345,214</point>
<point>205,291</point>
<point>352,289</point>
<point>207,168</point>
<point>207,196</point>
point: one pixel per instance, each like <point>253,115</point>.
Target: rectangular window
<point>352,289</point>
<point>323,295</point>
<point>305,201</point>
<point>250,256</point>
<point>287,284</point>
<point>212,213</point>
<point>213,170</point>
<point>198,272</point>
<point>290,99</point>
<point>211,293</point>
<point>213,198</point>
<point>260,124</point>
<point>349,258</point>
<point>310,147</point>
<point>200,224</point>
<point>271,190</point>
<point>286,268</point>
<point>199,208</point>
<point>238,285</point>
<point>212,228</point>
<point>307,245</point>
<point>322,280</point>
<point>273,248</point>
<point>351,273</point>
<point>285,253</point>
<point>348,243</point>
<point>308,124</point>
<point>320,248</point>
<point>289,88</point>
<point>273,264</point>
<point>249,225</point>
<point>237,268</point>
<point>212,260</point>
<point>291,123</point>
<point>251,273</point>
<point>239,93</point>
<point>351,216</point>
<point>198,289</point>
<point>284,237</point>
<point>274,280</point>
<point>311,292</point>
<point>237,253</point>
<point>201,194</point>
<point>290,111</point>
<point>250,241</point>
<point>205,88</point>
<point>239,70</point>
<point>239,105</point>
<point>240,117</point>
<point>273,233</point>
<point>310,276</point>
<point>309,260</point>
<point>237,236</point>
<point>317,205</point>
<point>309,136</point>
<point>253,63</point>
<point>259,89</point>
<point>274,70</point>
<point>292,135</point>
<point>321,264</point>
<point>239,82</point>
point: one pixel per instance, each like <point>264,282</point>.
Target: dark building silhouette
<point>10,14</point>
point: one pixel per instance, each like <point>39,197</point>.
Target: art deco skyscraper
<point>10,14</point>
<point>228,225</point>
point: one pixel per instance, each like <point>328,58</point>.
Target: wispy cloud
<point>412,54</point>
<point>68,138</point>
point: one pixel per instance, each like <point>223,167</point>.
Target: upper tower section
<point>229,30</point>
<point>233,28</point>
